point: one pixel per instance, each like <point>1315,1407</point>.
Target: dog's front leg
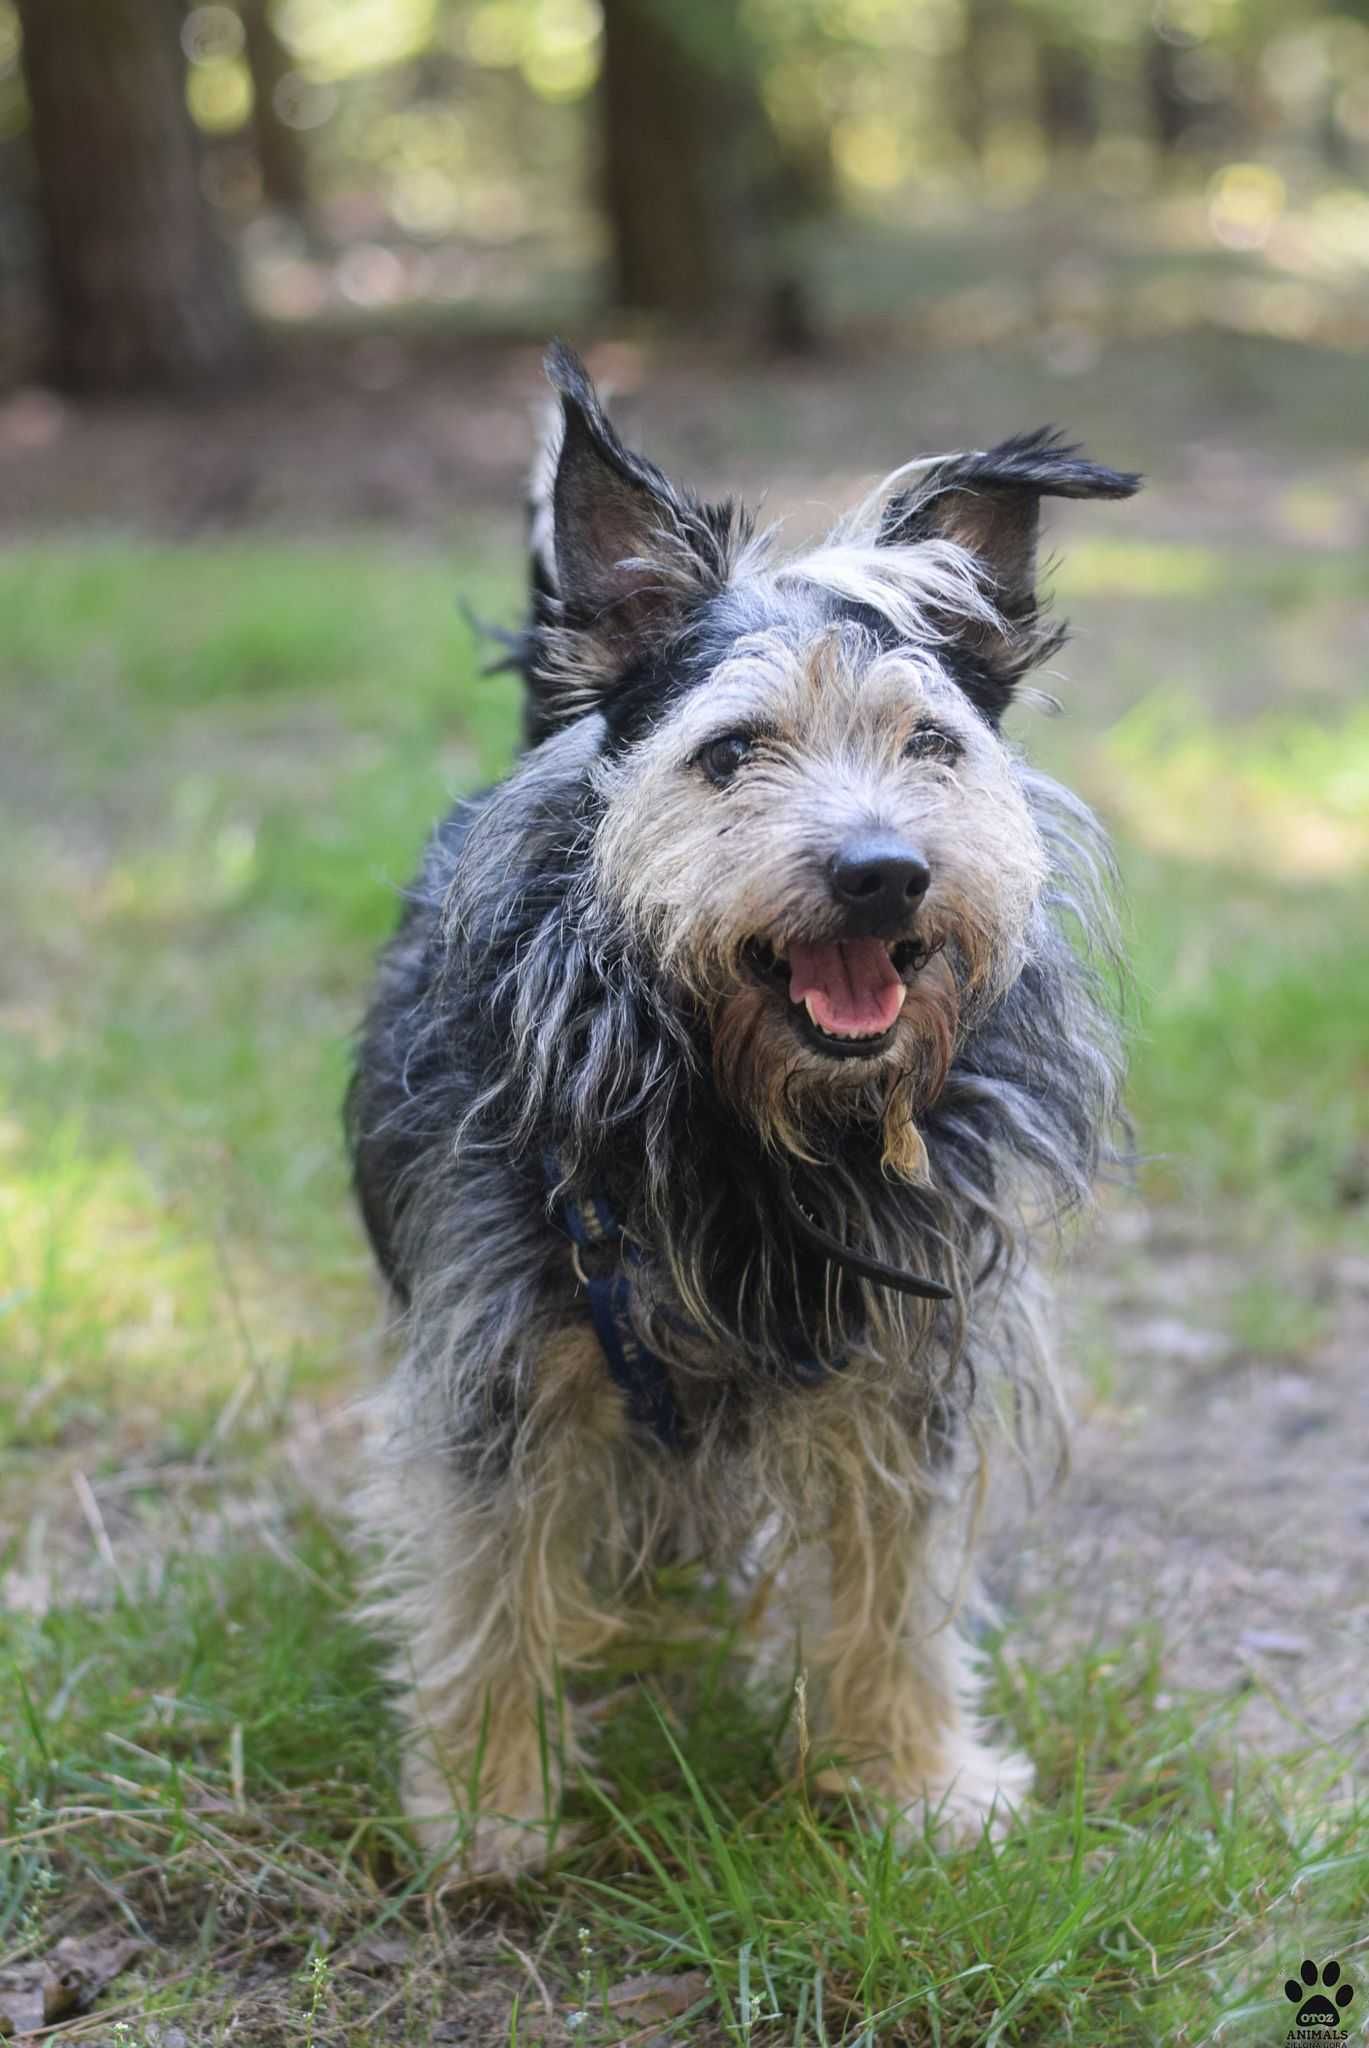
<point>899,1685</point>
<point>491,1597</point>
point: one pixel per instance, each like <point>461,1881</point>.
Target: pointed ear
<point>990,504</point>
<point>628,551</point>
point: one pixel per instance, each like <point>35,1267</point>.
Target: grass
<point>220,764</point>
<point>1155,1889</point>
<point>1132,1868</point>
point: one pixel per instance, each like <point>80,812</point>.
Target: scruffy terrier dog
<point>728,1058</point>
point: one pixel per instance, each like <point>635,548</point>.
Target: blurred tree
<point>1068,91</point>
<point>142,289</point>
<point>1171,108</point>
<point>687,154</point>
<point>981,25</point>
<point>280,150</point>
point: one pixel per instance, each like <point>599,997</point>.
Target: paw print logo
<point>1319,2003</point>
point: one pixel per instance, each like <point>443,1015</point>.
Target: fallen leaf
<point>92,1961</point>
<point>657,1998</point>
<point>22,2006</point>
<point>379,1952</point>
<point>632,2009</point>
<point>71,1977</point>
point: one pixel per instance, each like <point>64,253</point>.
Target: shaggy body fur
<point>587,971</point>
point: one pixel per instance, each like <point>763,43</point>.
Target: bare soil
<point>1218,1488</point>
<point>430,441</point>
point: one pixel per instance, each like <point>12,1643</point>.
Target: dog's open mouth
<point>847,994</point>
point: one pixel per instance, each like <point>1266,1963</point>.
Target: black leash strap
<point>839,1254</point>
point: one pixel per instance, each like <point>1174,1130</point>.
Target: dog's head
<point>808,822</point>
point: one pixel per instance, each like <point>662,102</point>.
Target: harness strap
<point>636,1371</point>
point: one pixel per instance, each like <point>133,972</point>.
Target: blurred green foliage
<point>903,98</point>
<point>441,136</point>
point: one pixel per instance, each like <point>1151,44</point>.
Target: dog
<point>731,1058</point>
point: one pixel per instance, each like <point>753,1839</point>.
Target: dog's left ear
<point>990,503</point>
<point>629,551</point>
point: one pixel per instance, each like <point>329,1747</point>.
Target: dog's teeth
<point>849,1037</point>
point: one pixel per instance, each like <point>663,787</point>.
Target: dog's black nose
<point>879,880</point>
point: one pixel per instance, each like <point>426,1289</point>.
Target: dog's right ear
<point>620,554</point>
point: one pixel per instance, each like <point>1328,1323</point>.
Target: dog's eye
<point>929,743</point>
<point>721,758</point>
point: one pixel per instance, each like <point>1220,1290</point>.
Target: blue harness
<point>639,1373</point>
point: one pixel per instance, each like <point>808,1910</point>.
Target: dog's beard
<point>799,1100</point>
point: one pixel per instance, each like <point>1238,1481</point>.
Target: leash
<point>640,1374</point>
<point>838,1254</point>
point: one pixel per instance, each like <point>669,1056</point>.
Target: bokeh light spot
<point>369,275</point>
<point>341,38</point>
<point>868,153</point>
<point>494,35</point>
<point>426,201</point>
<point>219,95</point>
<point>1244,205</point>
<point>303,103</point>
<point>211,35</point>
<point>561,72</point>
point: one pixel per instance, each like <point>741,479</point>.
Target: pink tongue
<point>851,983</point>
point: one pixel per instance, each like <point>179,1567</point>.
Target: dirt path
<point>1219,1486</point>
<point>375,435</point>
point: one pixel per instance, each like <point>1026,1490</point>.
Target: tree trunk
<point>1171,114</point>
<point>280,152</point>
<point>143,292</point>
<point>982,22</point>
<point>1068,95</point>
<point>682,139</point>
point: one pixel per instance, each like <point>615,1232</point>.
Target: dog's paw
<point>505,1839</point>
<point>489,1846</point>
<point>955,1803</point>
<point>984,1793</point>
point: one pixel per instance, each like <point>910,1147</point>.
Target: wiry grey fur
<point>569,981</point>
